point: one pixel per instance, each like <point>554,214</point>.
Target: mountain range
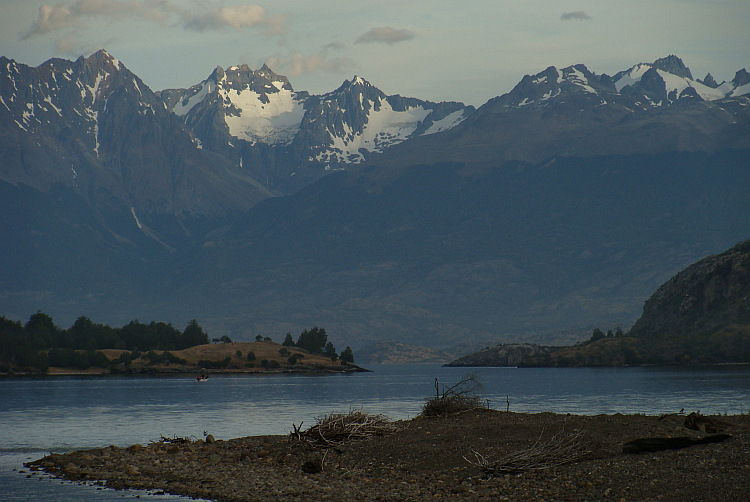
<point>259,209</point>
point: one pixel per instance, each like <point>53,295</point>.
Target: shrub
<point>461,396</point>
<point>251,356</point>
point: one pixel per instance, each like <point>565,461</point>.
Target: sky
<point>437,50</point>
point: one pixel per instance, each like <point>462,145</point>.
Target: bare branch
<point>336,429</point>
<point>558,450</point>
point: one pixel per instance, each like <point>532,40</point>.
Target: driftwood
<point>659,444</point>
<point>558,450</point>
<point>337,429</point>
<point>174,440</point>
<point>698,422</point>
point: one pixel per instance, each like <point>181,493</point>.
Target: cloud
<point>335,46</point>
<point>386,35</point>
<point>297,64</point>
<point>238,17</point>
<point>50,18</point>
<point>71,45</point>
<point>58,17</point>
<point>578,15</point>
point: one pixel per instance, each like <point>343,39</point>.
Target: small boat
<point>201,378</point>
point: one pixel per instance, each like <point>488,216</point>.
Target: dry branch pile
<point>457,398</point>
<point>558,450</point>
<point>336,429</point>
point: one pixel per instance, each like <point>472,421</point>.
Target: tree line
<point>40,343</point>
<point>316,341</point>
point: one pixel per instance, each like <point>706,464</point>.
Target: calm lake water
<point>42,415</point>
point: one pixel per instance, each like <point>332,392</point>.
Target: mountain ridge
<point>539,215</point>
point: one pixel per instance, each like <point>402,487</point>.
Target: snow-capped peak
<point>257,106</point>
<point>671,80</point>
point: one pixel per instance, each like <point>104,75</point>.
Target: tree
<point>225,339</point>
<point>313,340</point>
<point>42,331</point>
<point>258,338</point>
<point>596,335</point>
<point>193,335</point>
<point>288,341</point>
<point>346,355</point>
<point>330,351</point>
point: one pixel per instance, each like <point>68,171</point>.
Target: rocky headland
<point>699,316</point>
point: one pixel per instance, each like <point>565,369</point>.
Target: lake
<point>42,415</point>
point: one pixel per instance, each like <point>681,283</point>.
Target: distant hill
<point>389,352</point>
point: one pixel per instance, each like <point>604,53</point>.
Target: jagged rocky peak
<point>709,81</point>
<point>674,65</point>
<point>742,77</point>
<point>544,87</point>
<point>98,63</point>
<point>262,81</point>
<point>356,96</point>
<point>357,85</point>
<point>100,58</point>
<point>272,76</point>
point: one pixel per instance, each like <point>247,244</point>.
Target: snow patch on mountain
<point>632,76</point>
<point>740,91</point>
<point>184,106</point>
<point>448,122</point>
<point>385,127</point>
<point>251,119</point>
<point>679,84</point>
<point>675,85</point>
<point>576,77</point>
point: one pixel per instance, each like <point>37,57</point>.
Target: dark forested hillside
<point>40,343</point>
<point>449,253</point>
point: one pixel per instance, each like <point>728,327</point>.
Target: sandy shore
<point>435,459</point>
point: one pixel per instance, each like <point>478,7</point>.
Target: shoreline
<point>189,372</point>
<point>432,459</point>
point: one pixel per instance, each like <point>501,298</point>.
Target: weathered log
<point>658,444</point>
<point>698,422</point>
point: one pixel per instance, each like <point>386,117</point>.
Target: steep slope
<point>99,183</point>
<point>93,125</point>
<point>454,253</point>
<point>707,296</point>
<point>287,138</point>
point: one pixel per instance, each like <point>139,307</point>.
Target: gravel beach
<point>439,459</point>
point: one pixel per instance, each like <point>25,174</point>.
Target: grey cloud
<point>50,18</point>
<point>296,64</point>
<point>578,15</point>
<point>335,46</point>
<point>237,17</point>
<point>61,16</point>
<point>386,35</point>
